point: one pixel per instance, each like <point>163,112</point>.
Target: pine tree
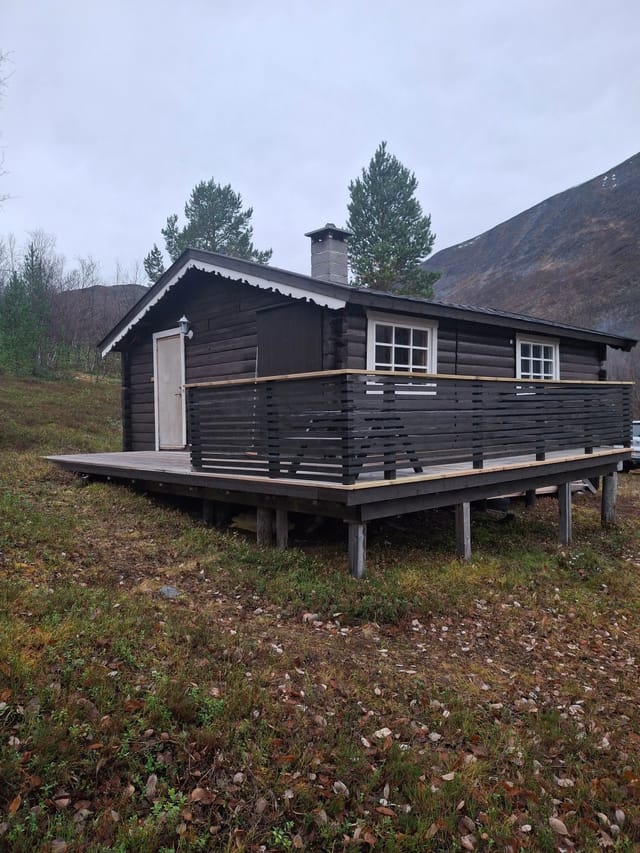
<point>391,234</point>
<point>17,328</point>
<point>215,221</point>
<point>26,344</point>
<point>154,264</point>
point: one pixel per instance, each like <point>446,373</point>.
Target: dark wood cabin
<point>249,320</point>
<point>244,383</point>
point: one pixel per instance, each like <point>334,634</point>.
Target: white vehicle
<point>635,446</point>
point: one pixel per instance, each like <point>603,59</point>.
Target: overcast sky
<point>115,110</point>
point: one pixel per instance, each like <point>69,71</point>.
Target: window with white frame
<point>537,358</point>
<point>402,344</point>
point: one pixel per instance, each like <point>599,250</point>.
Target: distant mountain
<point>574,257</point>
<point>86,315</point>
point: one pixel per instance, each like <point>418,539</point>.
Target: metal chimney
<point>329,253</point>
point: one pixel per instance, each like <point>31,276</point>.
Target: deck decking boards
<point>440,485</point>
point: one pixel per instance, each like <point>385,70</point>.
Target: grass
<point>276,704</point>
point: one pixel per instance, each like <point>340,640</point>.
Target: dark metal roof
<point>358,296</point>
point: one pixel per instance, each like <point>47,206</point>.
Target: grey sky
<point>114,110</point>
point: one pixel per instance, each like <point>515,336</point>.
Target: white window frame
<point>430,326</point>
<point>549,342</point>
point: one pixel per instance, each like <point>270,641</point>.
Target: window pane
<point>402,347</point>
<point>383,333</point>
<point>383,355</point>
<point>538,360</point>
<point>403,336</point>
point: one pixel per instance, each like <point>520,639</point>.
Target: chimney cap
<point>329,230</point>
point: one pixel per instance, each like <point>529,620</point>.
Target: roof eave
<point>413,305</point>
<point>333,295</point>
<point>257,275</point>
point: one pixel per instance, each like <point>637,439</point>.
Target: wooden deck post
<point>282,529</point>
<point>357,548</point>
<point>463,530</point>
<point>609,497</point>
<point>207,511</point>
<point>530,498</point>
<point>564,501</point>
<point>264,527</point>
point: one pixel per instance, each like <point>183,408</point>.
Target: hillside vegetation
<point>573,258</point>
<point>276,704</point>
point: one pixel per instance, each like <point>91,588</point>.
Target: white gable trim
<point>263,282</point>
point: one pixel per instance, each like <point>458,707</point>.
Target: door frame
<point>169,333</point>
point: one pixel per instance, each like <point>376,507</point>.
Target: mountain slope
<point>85,316</point>
<point>574,257</point>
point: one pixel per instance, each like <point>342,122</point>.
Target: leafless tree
<point>3,82</point>
<point>134,274</point>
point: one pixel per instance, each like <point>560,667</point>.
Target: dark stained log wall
<point>470,349</point>
<point>223,316</point>
<point>141,435</point>
<point>580,361</point>
<point>484,351</point>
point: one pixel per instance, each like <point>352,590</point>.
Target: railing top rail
<point>399,375</point>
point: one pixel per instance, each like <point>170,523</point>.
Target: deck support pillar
<point>264,527</point>
<point>530,498</point>
<point>609,497</point>
<point>463,530</point>
<point>207,511</point>
<point>357,548</point>
<point>282,529</point>
<point>564,501</point>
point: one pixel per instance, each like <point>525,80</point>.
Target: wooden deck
<point>458,485</point>
<point>370,498</point>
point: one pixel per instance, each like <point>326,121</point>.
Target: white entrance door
<point>169,380</point>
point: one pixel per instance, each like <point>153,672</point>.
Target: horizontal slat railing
<point>338,426</point>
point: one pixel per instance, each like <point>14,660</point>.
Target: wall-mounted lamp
<point>183,325</point>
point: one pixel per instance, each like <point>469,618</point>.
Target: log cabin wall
<point>484,350</point>
<point>223,315</point>
<point>463,348</point>
<point>471,349</point>
<point>581,360</point>
<point>139,430</point>
<point>224,318</point>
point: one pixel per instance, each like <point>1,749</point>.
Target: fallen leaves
<point>476,720</point>
<point>151,786</point>
<point>206,797</point>
<point>558,826</point>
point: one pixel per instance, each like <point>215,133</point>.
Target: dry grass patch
<point>276,704</point>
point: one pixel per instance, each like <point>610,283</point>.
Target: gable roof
<point>335,296</point>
